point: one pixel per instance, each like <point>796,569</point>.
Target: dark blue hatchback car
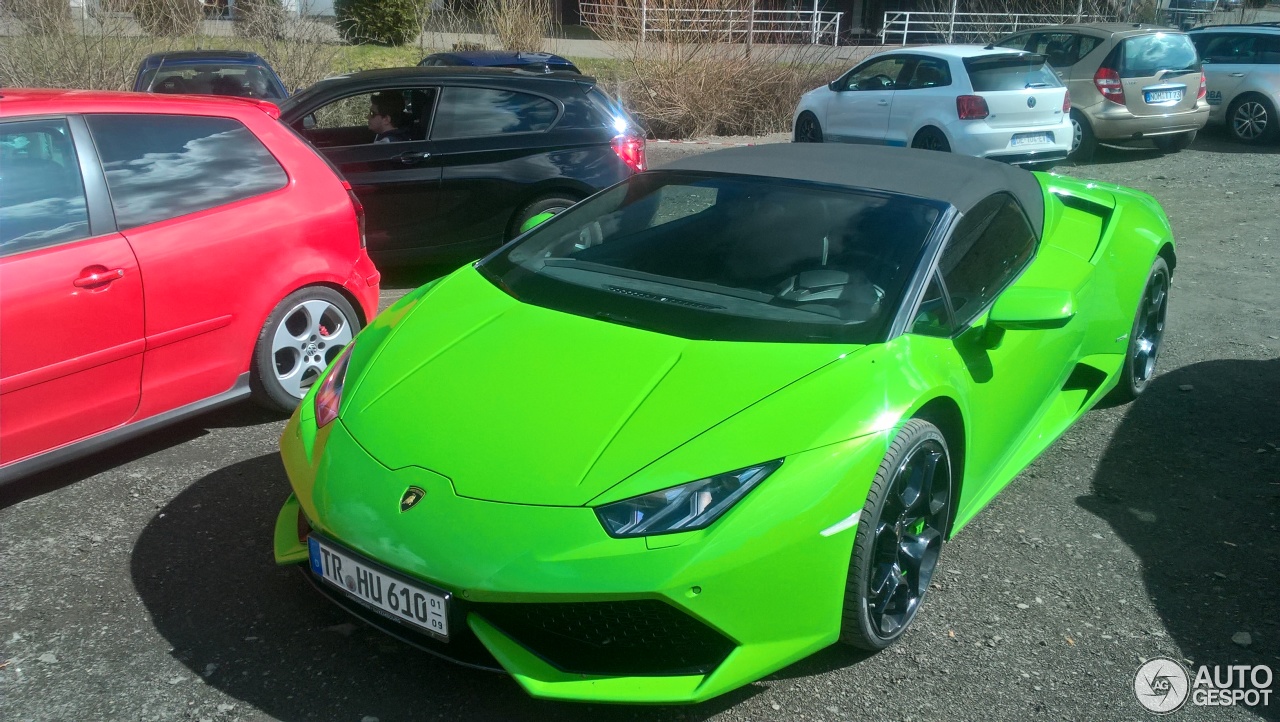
<point>544,62</point>
<point>210,72</point>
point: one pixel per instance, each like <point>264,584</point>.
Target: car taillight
<point>359,209</point>
<point>329,395</point>
<point>1204,89</point>
<point>1108,83</point>
<point>630,148</point>
<point>972,107</point>
<point>1066,101</point>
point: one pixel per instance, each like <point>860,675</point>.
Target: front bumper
<point>574,614</point>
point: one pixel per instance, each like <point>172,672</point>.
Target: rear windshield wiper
<point>1038,85</point>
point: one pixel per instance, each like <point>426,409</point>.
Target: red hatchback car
<point>161,255</point>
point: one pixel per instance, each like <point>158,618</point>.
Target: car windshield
<point>246,81</point>
<point>991,73</point>
<point>1146,55</point>
<point>726,257</point>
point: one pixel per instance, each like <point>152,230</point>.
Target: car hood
<point>518,403</point>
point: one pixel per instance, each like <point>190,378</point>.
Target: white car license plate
<point>400,600</point>
<point>1162,96</point>
<point>1020,139</point>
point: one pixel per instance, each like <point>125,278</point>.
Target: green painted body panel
<point>517,420</point>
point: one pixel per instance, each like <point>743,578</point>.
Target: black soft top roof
<point>962,181</point>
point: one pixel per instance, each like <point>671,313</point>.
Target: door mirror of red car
<point>1033,308</point>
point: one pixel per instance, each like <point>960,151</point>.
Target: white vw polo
<point>981,101</point>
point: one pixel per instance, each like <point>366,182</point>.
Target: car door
<point>1012,376</point>
<point>923,96</point>
<point>192,195</point>
<point>859,112</point>
<point>491,144</point>
<point>1227,58</point>
<point>397,182</point>
<point>71,305</point>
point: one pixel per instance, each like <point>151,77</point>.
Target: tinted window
<point>1017,42</point>
<point>990,73</point>
<point>1269,50</point>
<point>165,166</point>
<point>246,81</point>
<point>933,318</point>
<point>726,257</point>
<point>879,74</point>
<point>1233,48</point>
<point>989,248</point>
<point>1088,44</point>
<point>929,73</point>
<point>1145,55</point>
<point>41,195</point>
<point>472,112</point>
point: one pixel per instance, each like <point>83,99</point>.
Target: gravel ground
<point>138,584</point>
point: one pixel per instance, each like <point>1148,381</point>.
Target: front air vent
<point>664,299</point>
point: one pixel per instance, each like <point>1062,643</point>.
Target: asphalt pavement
<point>138,584</point>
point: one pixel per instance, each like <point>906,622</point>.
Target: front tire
<point>931,138</point>
<point>899,537</point>
<point>1252,119</point>
<point>1175,142</point>
<point>304,333</point>
<point>1145,335</point>
<point>808,130</point>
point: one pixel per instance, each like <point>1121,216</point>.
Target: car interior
<point>237,80</point>
<point>344,122</point>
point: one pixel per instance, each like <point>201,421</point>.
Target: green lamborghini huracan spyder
<point>718,416</point>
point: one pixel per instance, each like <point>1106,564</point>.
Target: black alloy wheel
<point>807,129</point>
<point>899,539</point>
<point>931,139</point>
<point>1146,335</point>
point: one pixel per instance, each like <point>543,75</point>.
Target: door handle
<point>411,158</point>
<point>882,101</point>
<point>93,279</point>
<point>1237,75</point>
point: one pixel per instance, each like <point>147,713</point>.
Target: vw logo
<point>1031,102</point>
<point>411,497</point>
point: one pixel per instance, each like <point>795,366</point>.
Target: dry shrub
<point>170,18</point>
<point>301,50</point>
<point>521,25</point>
<point>692,74</point>
<point>56,51</point>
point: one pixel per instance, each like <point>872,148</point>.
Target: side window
<point>388,116</point>
<point>474,112</point>
<point>929,73</point>
<point>1017,42</point>
<point>1229,48</point>
<point>934,317</point>
<point>165,166</point>
<point>879,74</point>
<point>1087,44</point>
<point>989,248</point>
<point>42,198</point>
<point>1058,48</point>
<point>1269,50</point>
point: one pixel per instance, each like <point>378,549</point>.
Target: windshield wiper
<point>1038,85</point>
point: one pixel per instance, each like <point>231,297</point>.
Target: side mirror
<point>308,122</point>
<point>834,85</point>
<point>1032,309</point>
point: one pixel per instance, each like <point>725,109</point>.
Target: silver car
<point>1242,68</point>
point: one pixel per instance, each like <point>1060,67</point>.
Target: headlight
<point>682,508</point>
<point>329,395</point>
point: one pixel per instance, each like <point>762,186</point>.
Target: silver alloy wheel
<point>309,336</point>
<point>1250,120</point>
<point>1077,134</point>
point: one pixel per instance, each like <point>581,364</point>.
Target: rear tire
<point>808,129</point>
<point>302,336</point>
<point>1145,335</point>
<point>900,534</point>
<point>1083,142</point>
<point>1175,142</point>
<point>551,203</point>
<point>1252,119</point>
<point>930,138</point>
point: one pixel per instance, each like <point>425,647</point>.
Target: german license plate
<point>1162,96</point>
<point>1020,139</point>
<point>401,600</point>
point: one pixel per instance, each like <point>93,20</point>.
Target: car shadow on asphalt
<point>203,568</point>
<point>1191,483</point>
<point>241,414</point>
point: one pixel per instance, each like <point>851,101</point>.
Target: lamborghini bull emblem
<point>411,497</point>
